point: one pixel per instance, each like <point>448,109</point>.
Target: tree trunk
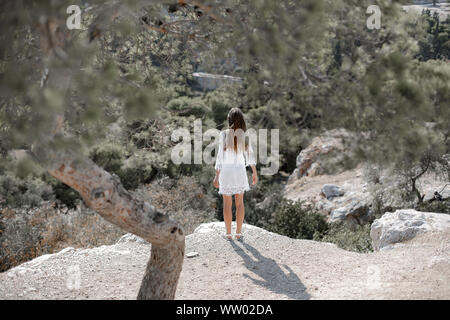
<point>161,276</point>
<point>100,190</point>
<point>104,193</point>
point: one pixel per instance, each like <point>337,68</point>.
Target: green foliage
<point>262,201</point>
<point>220,102</point>
<point>435,206</point>
<point>140,167</point>
<point>109,156</point>
<point>63,194</point>
<point>294,220</point>
<point>352,239</point>
<point>434,41</point>
<point>185,106</point>
<point>145,134</point>
<point>23,192</point>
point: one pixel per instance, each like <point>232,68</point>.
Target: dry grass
<point>28,233</point>
<point>184,200</point>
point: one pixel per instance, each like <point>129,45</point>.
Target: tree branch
<point>105,194</point>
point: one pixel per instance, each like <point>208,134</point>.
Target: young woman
<point>234,155</point>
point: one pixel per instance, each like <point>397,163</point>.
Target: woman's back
<point>234,150</point>
<point>233,155</point>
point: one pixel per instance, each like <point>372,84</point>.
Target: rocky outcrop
<point>402,225</point>
<point>322,154</point>
<point>357,211</point>
<point>323,181</point>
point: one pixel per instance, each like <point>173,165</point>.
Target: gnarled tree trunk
<point>102,191</point>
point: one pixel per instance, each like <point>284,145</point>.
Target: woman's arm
<point>216,179</point>
<point>219,160</point>
<point>254,175</point>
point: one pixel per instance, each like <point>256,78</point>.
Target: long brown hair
<point>236,121</point>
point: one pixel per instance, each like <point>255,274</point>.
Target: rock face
<point>314,160</point>
<point>357,211</point>
<point>322,182</point>
<point>402,225</point>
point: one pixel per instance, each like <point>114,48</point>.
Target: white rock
<point>129,237</point>
<point>192,254</point>
<point>402,225</point>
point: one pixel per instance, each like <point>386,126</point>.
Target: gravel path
<point>264,266</point>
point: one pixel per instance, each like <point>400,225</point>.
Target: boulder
<point>403,225</point>
<point>357,211</point>
<point>331,191</point>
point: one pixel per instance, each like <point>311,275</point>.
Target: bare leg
<point>240,211</point>
<point>227,214</point>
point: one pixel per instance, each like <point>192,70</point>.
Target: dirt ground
<point>263,266</point>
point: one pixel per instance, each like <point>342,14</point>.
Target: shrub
<point>149,134</point>
<point>220,103</point>
<point>296,221</point>
<point>186,106</point>
<point>133,171</point>
<point>109,156</point>
<point>137,170</point>
<point>262,201</point>
<point>435,206</point>
<point>352,239</point>
<point>29,191</point>
<point>63,194</point>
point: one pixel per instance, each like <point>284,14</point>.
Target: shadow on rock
<point>274,278</point>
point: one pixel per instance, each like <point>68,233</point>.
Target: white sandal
<point>228,236</point>
<point>238,235</point>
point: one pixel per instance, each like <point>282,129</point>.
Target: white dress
<point>232,165</point>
